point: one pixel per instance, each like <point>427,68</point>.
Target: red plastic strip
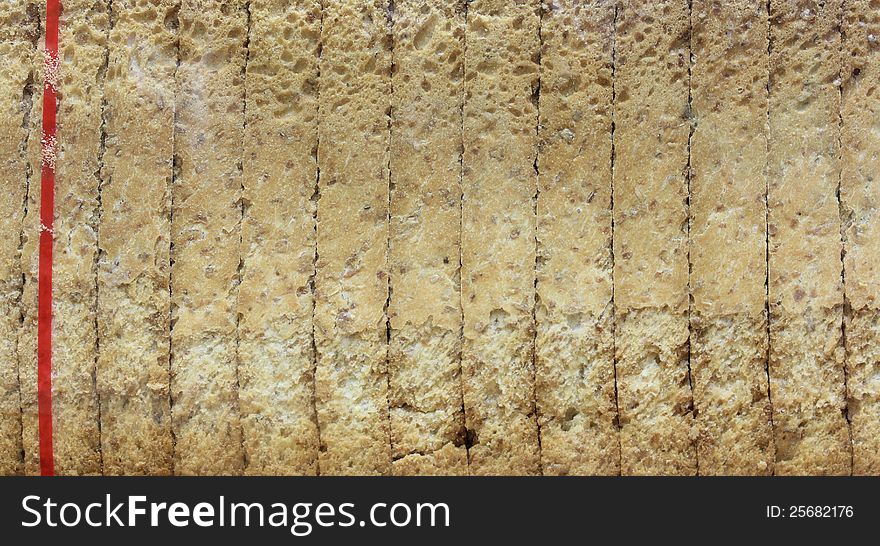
<point>48,155</point>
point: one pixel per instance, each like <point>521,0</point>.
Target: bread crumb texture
<point>446,237</point>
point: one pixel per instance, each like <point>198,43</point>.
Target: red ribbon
<point>48,154</point>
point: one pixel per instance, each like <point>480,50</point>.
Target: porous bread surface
<point>444,461</point>
<point>652,126</point>
<point>76,440</point>
<point>804,167</point>
<point>807,390</point>
<point>205,233</point>
<point>805,283</point>
<point>351,287</point>
<point>18,34</point>
<point>276,367</point>
<point>863,388</point>
<point>728,358</point>
<point>728,182</point>
<point>445,231</point>
<point>650,238</point>
<point>859,196</point>
<point>134,235</point>
<point>576,399</point>
<point>26,342</point>
<point>860,146</point>
<point>498,236</point>
<point>425,402</point>
<point>728,185</point>
<point>425,393</point>
<point>19,23</point>
<point>657,429</point>
<point>574,315</point>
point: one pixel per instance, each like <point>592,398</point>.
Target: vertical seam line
<point>389,29</point>
<point>99,214</point>
<point>240,205</point>
<point>846,311</point>
<point>537,93</point>
<point>688,177</point>
<point>611,204</point>
<point>316,195</point>
<point>463,95</point>
<point>175,173</point>
<point>767,232</point>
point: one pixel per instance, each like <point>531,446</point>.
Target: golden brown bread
<point>351,287</point>
<point>498,235</point>
<point>805,283</point>
<point>574,311</point>
<point>75,401</point>
<point>280,176</point>
<point>432,237</point>
<point>205,234</point>
<point>425,389</point>
<point>134,236</point>
<point>652,128</point>
<point>19,32</point>
<point>859,195</point>
<point>728,245</point>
